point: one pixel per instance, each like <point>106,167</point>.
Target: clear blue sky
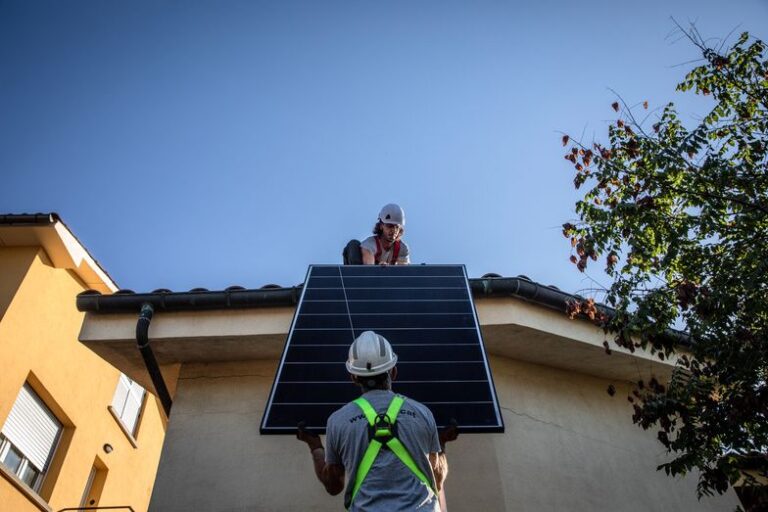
<point>202,143</point>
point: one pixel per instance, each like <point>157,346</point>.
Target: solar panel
<point>427,314</point>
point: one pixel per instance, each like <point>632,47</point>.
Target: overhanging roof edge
<point>61,241</point>
<point>485,287</point>
<point>95,302</point>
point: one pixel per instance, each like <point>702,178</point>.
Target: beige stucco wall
<point>568,446</point>
<point>38,336</point>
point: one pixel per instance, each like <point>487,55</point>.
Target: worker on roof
<point>386,246</point>
<point>388,445</point>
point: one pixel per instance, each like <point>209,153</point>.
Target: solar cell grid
<point>426,313</point>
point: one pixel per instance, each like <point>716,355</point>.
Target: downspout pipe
<point>142,341</point>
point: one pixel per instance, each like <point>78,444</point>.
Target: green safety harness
<point>382,431</point>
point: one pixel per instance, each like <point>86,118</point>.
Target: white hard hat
<point>392,214</point>
<point>370,354</point>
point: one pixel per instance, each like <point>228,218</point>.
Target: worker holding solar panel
<point>386,246</point>
<point>389,443</point>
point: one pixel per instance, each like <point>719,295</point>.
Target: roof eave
<point>48,231</point>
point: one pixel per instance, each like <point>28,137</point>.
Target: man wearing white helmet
<point>387,444</point>
<point>386,246</point>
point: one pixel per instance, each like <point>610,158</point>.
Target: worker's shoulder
<point>369,242</point>
<point>349,412</point>
<point>418,407</point>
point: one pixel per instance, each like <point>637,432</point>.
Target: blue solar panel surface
<point>427,314</point>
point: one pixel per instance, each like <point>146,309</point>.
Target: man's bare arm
<point>439,464</point>
<point>330,475</point>
<point>368,258</point>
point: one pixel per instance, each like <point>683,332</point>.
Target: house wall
<point>38,337</point>
<point>14,262</point>
<point>568,446</point>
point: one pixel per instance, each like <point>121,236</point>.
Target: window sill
<point>130,437</point>
<point>24,489</point>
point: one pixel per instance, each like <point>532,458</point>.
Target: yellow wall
<point>12,499</point>
<point>14,263</point>
<point>38,337</point>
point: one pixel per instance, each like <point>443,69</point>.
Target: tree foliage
<point>679,215</point>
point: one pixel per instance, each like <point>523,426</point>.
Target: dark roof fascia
<point>522,288</point>
<point>492,287</point>
<point>128,302</point>
<point>29,219</point>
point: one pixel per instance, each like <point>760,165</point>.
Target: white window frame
<point>5,447</point>
<point>6,443</point>
<point>127,403</point>
<point>88,487</point>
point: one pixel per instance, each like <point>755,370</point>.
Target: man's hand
<point>449,433</point>
<point>312,440</point>
<point>330,475</point>
<point>439,462</point>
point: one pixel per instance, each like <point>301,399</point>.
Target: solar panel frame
<point>324,324</point>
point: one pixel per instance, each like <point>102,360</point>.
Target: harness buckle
<point>382,429</point>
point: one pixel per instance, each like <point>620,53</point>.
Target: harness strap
<point>380,249</point>
<point>395,252</point>
<point>393,443</point>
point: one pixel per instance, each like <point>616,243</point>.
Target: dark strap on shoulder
<point>380,249</point>
<point>395,252</point>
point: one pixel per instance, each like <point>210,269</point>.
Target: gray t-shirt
<point>404,256</point>
<point>389,486</point>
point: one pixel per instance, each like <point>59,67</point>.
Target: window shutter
<point>131,413</point>
<point>121,393</point>
<point>127,402</point>
<point>32,427</point>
